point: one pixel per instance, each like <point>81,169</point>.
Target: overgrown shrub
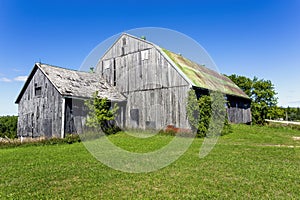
<point>208,115</point>
<point>101,115</point>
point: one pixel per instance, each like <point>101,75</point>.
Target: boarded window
<point>134,114</point>
<point>106,64</point>
<point>124,41</point>
<point>37,90</point>
<point>145,55</point>
<point>152,98</point>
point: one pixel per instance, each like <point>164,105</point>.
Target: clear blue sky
<point>246,37</point>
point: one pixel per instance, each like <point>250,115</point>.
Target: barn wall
<point>153,87</point>
<point>40,115</point>
<point>238,110</point>
<point>141,67</point>
<point>157,108</point>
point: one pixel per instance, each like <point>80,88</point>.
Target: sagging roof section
<point>72,83</point>
<point>202,77</point>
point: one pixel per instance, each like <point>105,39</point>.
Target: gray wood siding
<point>155,91</point>
<point>239,115</point>
<point>157,108</point>
<point>40,115</point>
<point>239,110</point>
<point>132,73</point>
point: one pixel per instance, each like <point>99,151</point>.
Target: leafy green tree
<point>101,115</point>
<point>276,112</point>
<point>263,100</point>
<point>298,113</point>
<point>8,126</point>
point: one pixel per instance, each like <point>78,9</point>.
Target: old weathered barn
<point>51,103</point>
<point>152,83</point>
<point>156,82</point>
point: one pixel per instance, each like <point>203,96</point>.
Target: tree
<point>293,114</point>
<point>298,113</point>
<point>101,115</point>
<point>263,100</point>
<point>8,126</point>
<point>276,112</point>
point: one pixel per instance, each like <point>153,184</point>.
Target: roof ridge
<point>64,68</point>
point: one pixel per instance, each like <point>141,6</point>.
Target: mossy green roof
<point>202,77</point>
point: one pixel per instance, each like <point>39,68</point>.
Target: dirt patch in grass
<point>296,138</point>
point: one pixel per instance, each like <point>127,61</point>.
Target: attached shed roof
<point>202,77</point>
<point>72,83</point>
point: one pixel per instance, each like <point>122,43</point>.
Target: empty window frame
<point>37,90</point>
<point>124,41</point>
<point>106,64</point>
<point>123,51</point>
<point>145,54</point>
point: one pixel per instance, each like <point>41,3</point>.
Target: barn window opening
<point>124,41</point>
<point>145,55</point>
<point>37,90</point>
<point>106,64</point>
<point>123,51</point>
<point>134,114</point>
<point>152,98</point>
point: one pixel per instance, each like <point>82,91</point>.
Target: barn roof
<point>72,83</point>
<point>203,77</point>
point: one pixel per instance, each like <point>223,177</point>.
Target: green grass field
<point>251,163</point>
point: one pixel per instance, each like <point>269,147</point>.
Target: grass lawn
<point>251,163</point>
